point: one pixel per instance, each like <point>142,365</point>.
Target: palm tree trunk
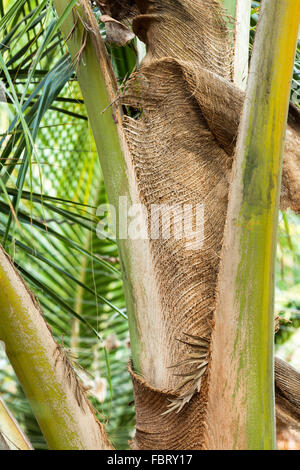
<point>240,413</point>
<point>49,381</point>
<point>12,435</point>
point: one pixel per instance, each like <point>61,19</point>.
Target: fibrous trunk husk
<point>157,430</point>
<point>287,391</point>
<point>182,148</point>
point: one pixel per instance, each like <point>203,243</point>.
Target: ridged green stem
<point>99,90</point>
<point>242,381</point>
<point>12,434</point>
<point>50,384</point>
<point>240,11</point>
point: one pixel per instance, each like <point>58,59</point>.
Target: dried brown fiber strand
<point>182,150</point>
<point>290,186</point>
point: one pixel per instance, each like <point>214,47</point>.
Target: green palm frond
<point>51,185</point>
